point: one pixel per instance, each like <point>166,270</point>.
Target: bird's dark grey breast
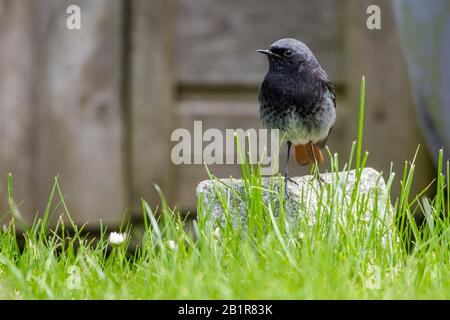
<point>283,97</point>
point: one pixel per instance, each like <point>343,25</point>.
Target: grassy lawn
<point>341,256</point>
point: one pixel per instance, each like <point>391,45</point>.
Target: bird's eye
<point>288,53</point>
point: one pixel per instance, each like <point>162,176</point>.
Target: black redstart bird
<point>297,98</point>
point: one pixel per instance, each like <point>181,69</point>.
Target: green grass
<point>270,258</point>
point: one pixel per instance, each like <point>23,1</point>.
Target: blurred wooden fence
<point>96,106</point>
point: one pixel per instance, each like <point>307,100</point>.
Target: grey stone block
<point>304,197</point>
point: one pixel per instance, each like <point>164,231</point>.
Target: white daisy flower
<point>116,238</point>
<point>172,244</point>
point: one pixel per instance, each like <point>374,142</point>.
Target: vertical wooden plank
<point>81,99</point>
<point>151,97</point>
<point>18,104</point>
<point>391,125</point>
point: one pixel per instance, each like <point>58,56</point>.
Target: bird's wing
<point>330,88</point>
<point>327,84</point>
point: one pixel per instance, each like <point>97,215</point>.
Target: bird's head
<point>289,55</point>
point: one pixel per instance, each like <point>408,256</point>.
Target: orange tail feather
<point>304,155</point>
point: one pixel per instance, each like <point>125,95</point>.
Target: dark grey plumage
<point>296,96</point>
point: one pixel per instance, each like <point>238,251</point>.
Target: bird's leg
<point>319,178</point>
<point>286,168</point>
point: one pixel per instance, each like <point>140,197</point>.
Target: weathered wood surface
<point>392,133</point>
<point>214,114</point>
<point>217,40</point>
<point>96,106</point>
<point>151,93</point>
<point>81,128</point>
<point>18,103</point>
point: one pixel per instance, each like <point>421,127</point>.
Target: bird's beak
<point>268,53</point>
